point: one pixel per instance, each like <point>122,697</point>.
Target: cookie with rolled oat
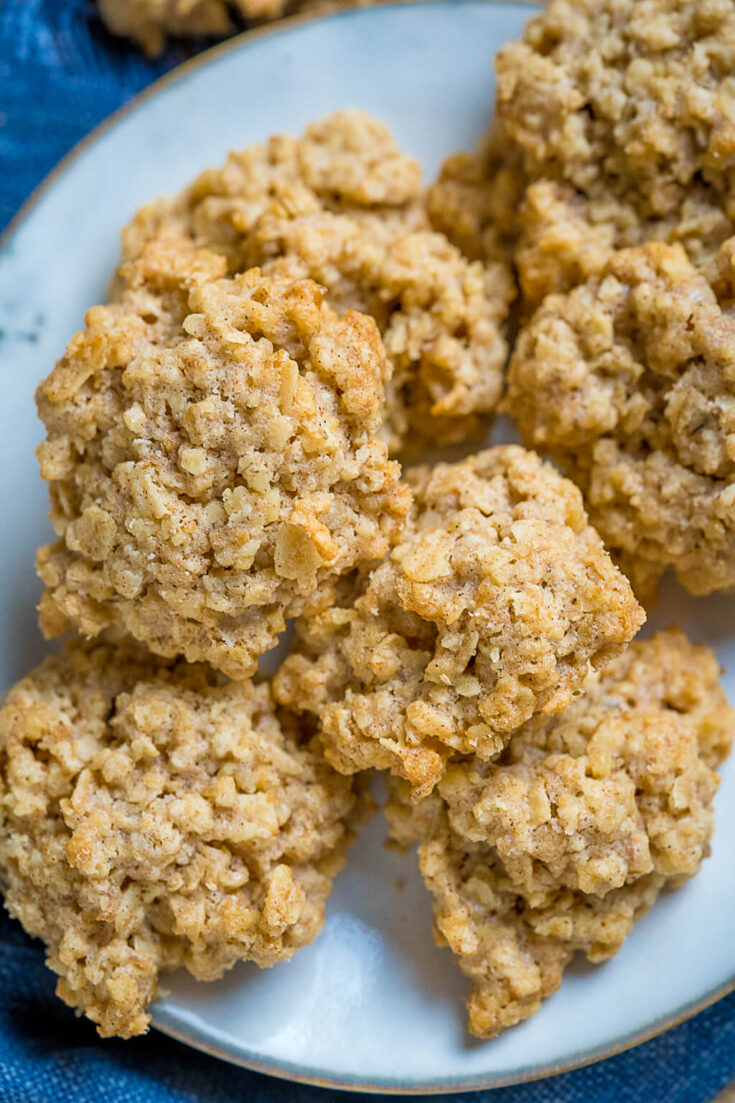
<point>212,458</point>
<point>343,206</point>
<point>477,198</point>
<point>499,602</point>
<point>623,113</point>
<point>150,23</point>
<point>570,837</point>
<point>628,381</point>
<point>154,816</point>
<point>348,161</point>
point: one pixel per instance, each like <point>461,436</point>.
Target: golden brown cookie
<point>150,22</point>
<point>628,381</point>
<point>568,839</point>
<point>623,113</point>
<point>343,206</point>
<point>212,459</point>
<point>154,816</point>
<point>499,602</point>
<point>477,197</point>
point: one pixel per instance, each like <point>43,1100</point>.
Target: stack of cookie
<point>224,451</point>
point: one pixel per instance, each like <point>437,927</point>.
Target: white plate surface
<point>373,1003</point>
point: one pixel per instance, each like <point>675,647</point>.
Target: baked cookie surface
<point>150,22</point>
<point>343,206</point>
<point>569,838</point>
<point>498,602</point>
<point>477,197</point>
<point>613,128</point>
<point>623,112</point>
<point>628,381</point>
<point>212,458</point>
<point>154,816</point>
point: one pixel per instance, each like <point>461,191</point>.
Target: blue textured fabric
<point>60,74</point>
<point>48,1056</point>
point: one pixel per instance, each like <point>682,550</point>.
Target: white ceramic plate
<point>373,1003</point>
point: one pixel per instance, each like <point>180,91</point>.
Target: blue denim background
<point>60,74</point>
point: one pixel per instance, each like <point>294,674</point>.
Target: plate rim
<point>321,1079</point>
<point>181,71</point>
<point>243,1057</point>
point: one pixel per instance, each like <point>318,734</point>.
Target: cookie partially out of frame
<point>628,381</point>
<point>150,22</point>
<point>614,127</point>
<point>623,115</point>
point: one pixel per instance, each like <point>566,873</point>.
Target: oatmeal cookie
<point>150,22</point>
<point>628,381</point>
<point>212,460</point>
<point>477,198</point>
<point>623,111</point>
<point>498,603</point>
<point>343,206</point>
<point>568,839</point>
<point>155,816</point>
